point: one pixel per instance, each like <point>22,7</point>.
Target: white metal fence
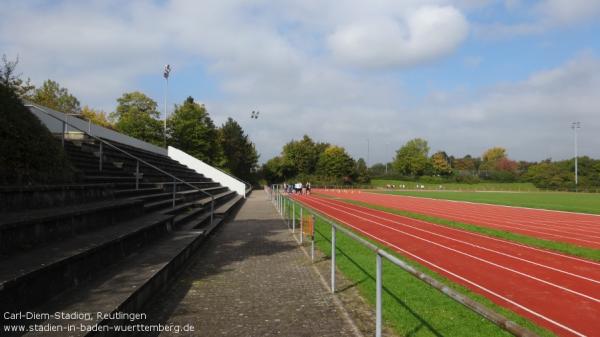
<point>286,206</point>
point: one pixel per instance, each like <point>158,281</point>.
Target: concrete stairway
<point>107,251</point>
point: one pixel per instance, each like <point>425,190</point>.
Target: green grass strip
<point>560,247</point>
<point>483,186</point>
<point>559,201</point>
<point>410,306</point>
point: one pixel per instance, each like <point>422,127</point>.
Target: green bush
<point>29,154</point>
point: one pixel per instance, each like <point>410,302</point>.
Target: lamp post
<point>574,127</point>
<point>368,152</point>
<point>166,72</point>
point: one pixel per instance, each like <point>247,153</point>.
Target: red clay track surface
<point>559,292</point>
<point>576,228</point>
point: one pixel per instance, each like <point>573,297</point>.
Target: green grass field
<point>411,307</point>
<point>561,201</point>
<point>459,186</point>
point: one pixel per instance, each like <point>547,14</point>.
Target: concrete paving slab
<point>252,279</point>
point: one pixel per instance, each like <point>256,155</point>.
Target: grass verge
<point>559,247</point>
<point>411,307</point>
<point>559,201</point>
<point>514,187</point>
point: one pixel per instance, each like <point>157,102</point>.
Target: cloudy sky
<point>465,74</point>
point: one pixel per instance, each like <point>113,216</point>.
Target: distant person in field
<point>298,188</point>
<point>308,188</point>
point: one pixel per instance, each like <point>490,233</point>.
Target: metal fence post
<point>378,298</point>
<point>293,217</point>
<point>312,241</point>
<point>212,209</point>
<point>137,175</point>
<point>64,125</point>
<point>174,191</point>
<point>332,258</point>
<point>101,155</point>
<point>301,223</point>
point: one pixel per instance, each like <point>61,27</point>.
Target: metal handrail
<point>478,308</point>
<point>65,122</point>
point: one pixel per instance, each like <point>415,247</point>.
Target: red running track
<point>576,228</point>
<point>559,292</point>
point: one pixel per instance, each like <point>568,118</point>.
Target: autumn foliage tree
<point>440,163</point>
<point>136,116</point>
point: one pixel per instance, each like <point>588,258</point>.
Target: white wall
<point>55,126</point>
<point>208,171</point>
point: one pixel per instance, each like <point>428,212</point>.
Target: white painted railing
<point>208,171</point>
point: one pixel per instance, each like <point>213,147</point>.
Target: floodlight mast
<point>574,127</point>
<point>166,72</point>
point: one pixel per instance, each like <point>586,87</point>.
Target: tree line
<point>318,162</point>
<point>413,162</point>
<point>189,127</point>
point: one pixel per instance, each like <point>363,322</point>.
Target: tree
<point>136,116</point>
<point>440,163</point>
<point>412,159</point>
<point>96,116</point>
<point>494,154</point>
<point>13,81</point>
<point>28,151</point>
<point>491,157</point>
<point>53,96</point>
<point>303,155</point>
<point>275,170</point>
<point>191,130</point>
<point>335,162</point>
<point>239,152</point>
<point>377,169</point>
<point>548,175</point>
<point>362,173</point>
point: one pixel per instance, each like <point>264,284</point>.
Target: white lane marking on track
<point>464,242</point>
<point>488,217</point>
<point>528,230</point>
<point>507,224</point>
<point>531,311</point>
<point>483,203</point>
<point>497,239</point>
<point>476,258</point>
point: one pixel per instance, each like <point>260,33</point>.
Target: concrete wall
<point>208,171</point>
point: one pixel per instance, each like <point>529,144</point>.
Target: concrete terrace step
<point>102,178</point>
<point>220,196</point>
<point>190,214</point>
<point>133,192</point>
<point>157,205</point>
<point>128,285</point>
<point>30,278</point>
<point>229,205</point>
<point>25,229</point>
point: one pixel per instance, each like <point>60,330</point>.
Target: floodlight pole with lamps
<point>575,126</point>
<point>166,72</point>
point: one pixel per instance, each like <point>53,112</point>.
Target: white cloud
<point>568,11</point>
<point>426,33</point>
<point>282,59</point>
<point>530,118</point>
<point>542,16</point>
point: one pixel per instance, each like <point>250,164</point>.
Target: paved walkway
<point>252,279</point>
